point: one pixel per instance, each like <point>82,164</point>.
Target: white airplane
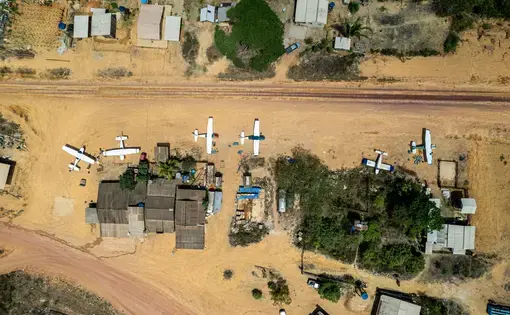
<point>80,155</point>
<point>427,146</point>
<point>378,164</point>
<point>208,135</point>
<point>122,151</point>
<point>256,137</point>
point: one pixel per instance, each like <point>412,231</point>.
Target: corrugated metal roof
<point>185,193</point>
<point>189,213</point>
<point>322,12</point>
<point>81,26</point>
<point>102,24</point>
<point>112,216</point>
<point>149,21</point>
<point>300,16</point>
<point>159,203</point>
<point>343,43</point>
<point>391,306</point>
<point>311,11</point>
<point>162,151</point>
<point>469,237</point>
<point>162,187</point>
<point>91,216</point>
<point>110,196</point>
<point>207,13</point>
<point>4,174</point>
<point>468,205</point>
<point>172,29</point>
<point>114,230</point>
<point>190,237</point>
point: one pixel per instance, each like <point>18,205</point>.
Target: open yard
<point>339,131</point>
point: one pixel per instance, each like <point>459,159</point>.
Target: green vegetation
<point>356,29</point>
<point>57,73</point>
<point>451,42</point>
<point>114,73</point>
<point>425,52</point>
<point>450,267</point>
<point>168,169</point>
<point>279,291</point>
<point>435,306</point>
<point>353,7</point>
<point>256,38</point>
<point>9,128</point>
<point>331,290</point>
<point>21,293</point>
<point>319,67</point>
<point>190,48</point>
<point>212,54</point>
<point>396,207</point>
<point>228,274</point>
<point>257,294</point>
<point>247,234</point>
<point>127,180</point>
<point>143,175</point>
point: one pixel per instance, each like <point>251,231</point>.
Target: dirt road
<point>124,290</point>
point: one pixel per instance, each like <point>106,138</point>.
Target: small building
<point>392,306</point>
<point>457,238</point>
<point>208,14</point>
<point>149,21</point>
<point>173,28</point>
<point>104,25</point>
<point>467,205</point>
<point>342,43</point>
<point>160,205</point>
<point>282,204</point>
<point>222,11</point>
<point>81,26</point>
<point>162,152</point>
<point>5,169</point>
<point>313,12</point>
<point>190,218</point>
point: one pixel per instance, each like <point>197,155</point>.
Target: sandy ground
<point>339,131</point>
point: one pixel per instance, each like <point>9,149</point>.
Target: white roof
<point>4,173</point>
<point>391,306</point>
<point>322,12</point>
<point>436,201</point>
<point>172,28</point>
<point>468,205</point>
<point>207,13</point>
<point>149,21</point>
<point>343,43</point>
<point>97,11</point>
<point>81,26</point>
<point>300,16</point>
<point>460,238</point>
<point>311,10</point>
<point>101,24</point>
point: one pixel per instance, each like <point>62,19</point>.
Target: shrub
<point>308,40</point>
<point>279,291</point>
<point>248,234</point>
<point>353,7</point>
<point>331,290</point>
<point>462,22</point>
<point>450,267</point>
<point>190,47</point>
<point>401,258</point>
<point>213,54</point>
<point>228,274</point>
<point>451,42</point>
<point>143,172</point>
<point>58,73</point>
<point>127,180</point>
<point>256,293</point>
<point>25,71</point>
<point>114,73</point>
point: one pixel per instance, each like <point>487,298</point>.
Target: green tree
<point>143,172</point>
<point>331,291</point>
<point>127,180</point>
<point>228,274</point>
<point>451,42</point>
<point>256,293</point>
<point>279,291</point>
<point>356,29</point>
<point>353,7</point>
<point>169,168</point>
<point>401,258</point>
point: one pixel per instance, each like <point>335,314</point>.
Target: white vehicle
<point>208,135</point>
<point>427,146</point>
<point>256,137</point>
<point>79,155</point>
<point>378,164</point>
<point>123,150</point>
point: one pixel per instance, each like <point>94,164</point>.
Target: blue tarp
<point>254,190</point>
<point>243,196</point>
<point>494,309</point>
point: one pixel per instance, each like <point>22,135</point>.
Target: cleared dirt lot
<point>339,131</point>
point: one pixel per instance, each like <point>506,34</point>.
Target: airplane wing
<point>368,162</point>
<point>118,152</point>
<point>88,159</point>
<point>387,167</point>
<point>209,136</point>
<point>428,146</point>
<point>71,151</point>
<point>256,147</point>
<point>256,128</point>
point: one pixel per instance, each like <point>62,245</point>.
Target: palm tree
<point>356,29</point>
<point>169,168</point>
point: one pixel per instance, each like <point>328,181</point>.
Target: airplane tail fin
<point>381,152</point>
<point>195,135</point>
<point>121,138</point>
<point>413,147</point>
<point>241,137</point>
<point>72,167</point>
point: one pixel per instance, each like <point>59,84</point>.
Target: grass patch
<point>57,73</point>
<point>21,293</point>
<point>25,71</point>
<point>213,54</point>
<point>256,40</point>
<point>394,205</point>
<point>5,71</point>
<point>114,73</point>
<point>451,267</point>
<point>247,234</point>
<point>318,67</point>
<point>245,74</point>
<point>9,128</point>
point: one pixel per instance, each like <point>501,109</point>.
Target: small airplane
<point>209,135</point>
<point>123,150</point>
<point>378,164</point>
<point>80,155</point>
<point>256,137</point>
<point>427,146</point>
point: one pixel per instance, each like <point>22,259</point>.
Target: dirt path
<point>126,291</point>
